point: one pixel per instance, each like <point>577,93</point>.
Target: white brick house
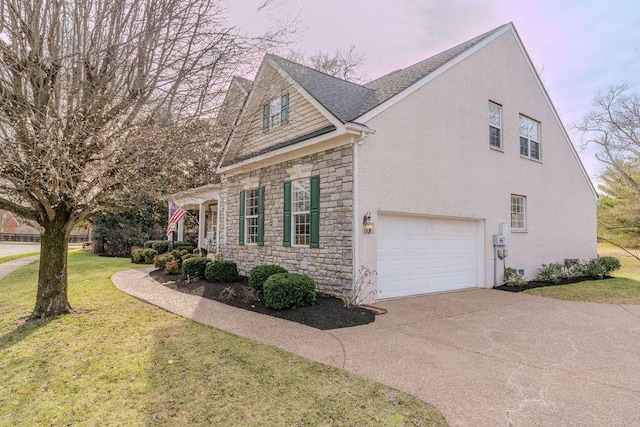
<point>437,158</point>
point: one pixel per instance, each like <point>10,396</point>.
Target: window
<point>518,213</point>
<point>251,219</point>
<point>251,216</point>
<point>302,212</point>
<point>495,124</point>
<point>529,138</point>
<point>275,112</point>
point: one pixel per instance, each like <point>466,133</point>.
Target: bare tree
<point>89,91</point>
<point>614,126</point>
<point>342,64</point>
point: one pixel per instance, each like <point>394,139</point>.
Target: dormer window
<point>275,112</point>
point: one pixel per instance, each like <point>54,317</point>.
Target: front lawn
<point>623,288</point>
<point>119,361</point>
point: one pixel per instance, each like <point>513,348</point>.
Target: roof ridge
<point>315,70</point>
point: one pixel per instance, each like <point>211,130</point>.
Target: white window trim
<point>528,138</point>
<point>499,127</point>
<point>524,213</point>
<point>247,216</point>
<point>294,213</point>
<point>273,115</point>
<point>299,171</point>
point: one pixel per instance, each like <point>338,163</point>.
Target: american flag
<point>176,213</point>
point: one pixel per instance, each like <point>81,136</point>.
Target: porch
<point>204,200</point>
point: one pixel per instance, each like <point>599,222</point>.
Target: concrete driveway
<point>482,357</point>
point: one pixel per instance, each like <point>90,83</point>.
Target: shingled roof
<point>348,101</point>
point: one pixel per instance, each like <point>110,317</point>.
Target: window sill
<point>518,230</point>
<point>530,158</point>
<point>494,148</point>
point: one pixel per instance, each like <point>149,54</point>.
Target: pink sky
<point>580,46</point>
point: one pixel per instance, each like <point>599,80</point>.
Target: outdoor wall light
<point>367,223</point>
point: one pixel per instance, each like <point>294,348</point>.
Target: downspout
<point>356,215</point>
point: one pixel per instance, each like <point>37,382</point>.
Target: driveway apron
<point>482,357</point>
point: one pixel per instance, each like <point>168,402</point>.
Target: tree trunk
<point>52,298</point>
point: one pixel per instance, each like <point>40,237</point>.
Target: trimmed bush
<point>595,269</point>
<point>222,272</point>
<point>172,267</point>
<point>160,261</point>
<point>136,256</point>
<point>201,251</point>
<point>187,256</point>
<point>609,263</point>
<point>512,278</point>
<point>183,246</point>
<point>258,275</point>
<point>289,290</point>
<point>194,267</point>
<point>148,255</point>
<point>551,273</point>
<point>162,246</point>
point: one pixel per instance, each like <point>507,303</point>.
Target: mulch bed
<point>327,312</point>
<point>535,284</point>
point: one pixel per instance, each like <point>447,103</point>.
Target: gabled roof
<point>342,98</point>
<point>348,101</point>
<point>245,84</point>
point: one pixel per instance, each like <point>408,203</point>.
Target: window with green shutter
<point>302,212</point>
<point>260,240</point>
<point>252,216</point>
<point>265,117</point>
<point>241,219</point>
<point>284,108</point>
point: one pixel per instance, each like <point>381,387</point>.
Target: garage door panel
<point>420,255</point>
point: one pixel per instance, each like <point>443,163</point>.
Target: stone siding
<point>331,264</point>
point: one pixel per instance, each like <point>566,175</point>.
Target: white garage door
<point>418,255</point>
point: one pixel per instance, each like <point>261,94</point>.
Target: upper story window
<point>529,138</point>
<point>495,125</point>
<point>275,112</point>
<point>518,213</point>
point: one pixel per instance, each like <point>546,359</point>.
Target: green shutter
<point>284,108</point>
<point>265,116</point>
<point>286,221</point>
<point>241,221</point>
<point>315,211</point>
<point>261,216</point>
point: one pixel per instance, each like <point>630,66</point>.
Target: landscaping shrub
<point>187,256</point>
<point>574,268</point>
<point>148,255</point>
<point>162,246</point>
<point>512,278</point>
<point>201,251</point>
<point>551,273</point>
<point>222,272</point>
<point>137,256</point>
<point>172,267</point>
<point>609,263</point>
<point>289,290</point>
<point>194,267</point>
<point>258,275</point>
<point>595,269</point>
<point>160,261</point>
<point>183,246</point>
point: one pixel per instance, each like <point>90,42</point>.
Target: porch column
<point>218,228</point>
<point>202,223</point>
<point>181,230</point>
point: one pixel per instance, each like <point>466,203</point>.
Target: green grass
<point>623,288</point>
<point>119,361</point>
<point>12,257</point>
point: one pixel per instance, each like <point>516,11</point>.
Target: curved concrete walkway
<point>482,357</point>
<point>10,266</point>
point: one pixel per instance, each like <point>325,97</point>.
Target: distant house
<point>430,178</point>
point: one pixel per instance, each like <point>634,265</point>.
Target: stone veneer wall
<point>331,265</point>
